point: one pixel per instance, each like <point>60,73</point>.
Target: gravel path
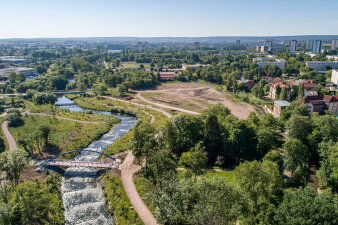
<point>10,139</point>
<point>128,168</point>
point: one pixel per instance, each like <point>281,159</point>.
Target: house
<point>278,107</point>
<point>250,84</point>
<point>195,66</point>
<point>273,89</point>
<point>319,103</point>
<point>167,75</point>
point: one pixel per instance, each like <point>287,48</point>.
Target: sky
<point>166,18</point>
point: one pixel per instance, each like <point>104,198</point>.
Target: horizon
<point>150,18</point>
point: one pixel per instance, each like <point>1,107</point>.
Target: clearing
<point>195,97</point>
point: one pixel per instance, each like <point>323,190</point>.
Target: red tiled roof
<point>310,86</point>
<point>315,98</point>
<point>250,84</point>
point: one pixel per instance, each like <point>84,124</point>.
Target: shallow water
<point>82,195</point>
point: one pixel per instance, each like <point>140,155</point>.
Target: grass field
<point>133,64</point>
<point>123,143</point>
<point>144,188</point>
<point>65,135</point>
<point>119,205</point>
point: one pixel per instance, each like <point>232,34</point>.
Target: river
<point>82,195</point>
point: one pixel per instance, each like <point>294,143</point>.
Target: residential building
<point>309,45</point>
<point>268,45</point>
<point>319,103</point>
<point>167,75</point>
<point>320,65</point>
<point>250,84</point>
<point>4,65</point>
<point>195,66</point>
<point>278,106</point>
<point>273,89</point>
<point>293,46</point>
<point>334,44</point>
<point>280,64</point>
<point>196,44</point>
<point>334,76</point>
<point>13,59</point>
<point>24,70</point>
<point>332,57</point>
<point>238,42</point>
<point>261,48</point>
<point>317,46</point>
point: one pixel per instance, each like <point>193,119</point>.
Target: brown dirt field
<point>196,94</point>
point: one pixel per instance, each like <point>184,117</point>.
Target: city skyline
<point>149,18</point>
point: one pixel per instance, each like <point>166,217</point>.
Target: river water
<point>82,195</point>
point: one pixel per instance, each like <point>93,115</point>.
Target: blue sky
<point>151,18</point>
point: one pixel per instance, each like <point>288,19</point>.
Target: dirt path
<point>141,105</point>
<point>165,106</point>
<point>10,139</point>
<point>128,168</point>
<point>197,94</point>
<point>65,118</point>
<point>151,115</point>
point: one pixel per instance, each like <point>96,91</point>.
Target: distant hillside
<point>181,39</point>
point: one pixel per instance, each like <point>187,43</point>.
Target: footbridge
<point>73,163</point>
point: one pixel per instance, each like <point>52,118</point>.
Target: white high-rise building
<point>334,77</point>
<point>317,46</point>
<point>334,44</point>
<point>268,45</point>
<point>293,46</point>
<point>309,45</point>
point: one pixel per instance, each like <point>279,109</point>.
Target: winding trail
<point>128,168</point>
<point>141,105</point>
<point>138,95</point>
<point>10,139</point>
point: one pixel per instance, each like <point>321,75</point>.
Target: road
<point>10,139</point>
<point>128,168</point>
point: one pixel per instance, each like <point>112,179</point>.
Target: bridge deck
<point>81,164</point>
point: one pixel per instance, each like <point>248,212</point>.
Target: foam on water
<point>82,195</point>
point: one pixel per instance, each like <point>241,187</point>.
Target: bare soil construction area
<point>194,97</point>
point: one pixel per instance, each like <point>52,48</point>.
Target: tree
<point>14,119</point>
<point>160,164</point>
<point>296,160</point>
<point>121,88</point>
<point>284,94</point>
<point>44,98</point>
<point>301,91</point>
<point>299,127</point>
<point>306,207</point>
<point>263,182</point>
<point>328,171</point>
<point>208,200</point>
<point>275,156</point>
<point>213,137</point>
<point>81,86</point>
<point>143,140</point>
<point>44,131</point>
<point>13,163</point>
<point>267,139</point>
<point>182,132</point>
<point>196,159</point>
